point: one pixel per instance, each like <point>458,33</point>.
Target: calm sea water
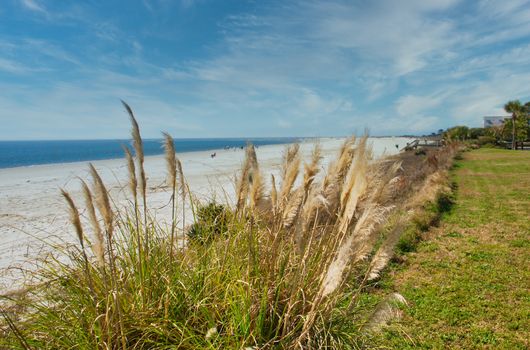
<point>26,153</point>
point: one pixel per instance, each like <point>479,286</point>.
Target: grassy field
<point>468,283</point>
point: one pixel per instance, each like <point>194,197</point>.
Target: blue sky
<point>221,68</point>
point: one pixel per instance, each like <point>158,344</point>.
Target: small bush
<point>408,240</point>
<point>212,221</point>
<point>445,202</point>
<point>458,156</point>
<point>486,140</point>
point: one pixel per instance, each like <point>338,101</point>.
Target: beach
<point>34,216</point>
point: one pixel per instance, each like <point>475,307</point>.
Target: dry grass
<point>282,268</point>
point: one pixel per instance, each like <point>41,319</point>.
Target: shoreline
<point>301,140</point>
<point>288,140</point>
<point>33,166</point>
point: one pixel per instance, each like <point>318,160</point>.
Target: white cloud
<point>284,124</point>
<point>90,110</point>
<point>422,124</point>
<point>13,67</point>
<point>412,105</point>
<point>474,101</point>
<point>33,5</point>
<point>516,57</point>
<point>398,34</point>
<point>188,3</point>
<point>42,47</point>
<point>394,66</point>
<point>148,5</point>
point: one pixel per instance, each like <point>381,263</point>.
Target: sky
<point>227,68</point>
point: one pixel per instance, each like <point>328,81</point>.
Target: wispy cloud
<point>188,3</point>
<point>13,67</point>
<point>300,67</point>
<point>412,104</point>
<point>34,5</point>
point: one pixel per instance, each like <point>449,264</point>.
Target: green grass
<point>468,282</point>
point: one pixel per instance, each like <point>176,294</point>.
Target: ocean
<point>28,153</point>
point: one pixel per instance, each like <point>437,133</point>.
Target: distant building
<point>494,121</point>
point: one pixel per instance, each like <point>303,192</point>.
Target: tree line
<point>512,130</point>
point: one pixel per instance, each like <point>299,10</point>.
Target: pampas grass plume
<point>171,159</point>
<point>74,217</point>
<point>98,246</point>
<point>133,182</point>
<point>103,201</point>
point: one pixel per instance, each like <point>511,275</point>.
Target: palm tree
<point>515,108</point>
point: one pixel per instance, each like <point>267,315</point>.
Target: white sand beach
<point>33,213</point>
